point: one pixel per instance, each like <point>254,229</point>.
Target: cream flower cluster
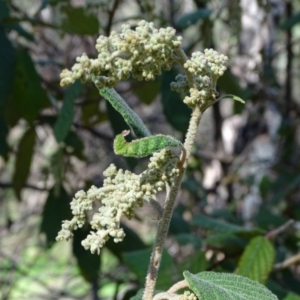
<point>187,295</point>
<point>205,69</point>
<point>142,53</point>
<point>122,192</point>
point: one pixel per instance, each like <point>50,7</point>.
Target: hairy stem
<point>164,223</point>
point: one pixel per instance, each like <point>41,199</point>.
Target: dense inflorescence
<point>122,192</point>
<point>142,53</point>
<point>205,69</point>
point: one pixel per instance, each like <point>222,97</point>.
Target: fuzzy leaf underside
<point>257,260</point>
<point>226,286</point>
<point>131,118</point>
<point>145,146</point>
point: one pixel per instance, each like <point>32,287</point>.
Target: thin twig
<point>178,286</point>
<point>8,185</point>
<point>288,262</point>
<point>111,17</point>
<point>277,231</point>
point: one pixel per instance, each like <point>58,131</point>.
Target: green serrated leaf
<point>234,97</point>
<point>27,91</point>
<point>7,66</point>
<point>89,264</point>
<point>23,160</point>
<point>225,286</point>
<point>56,209</point>
<point>79,21</point>
<point>118,124</point>
<point>191,18</point>
<point>65,117</point>
<point>143,147</point>
<point>257,260</point>
<point>130,117</point>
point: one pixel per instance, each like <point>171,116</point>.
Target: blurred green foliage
<point>55,141</point>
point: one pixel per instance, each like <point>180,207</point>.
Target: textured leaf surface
<point>56,209</point>
<point>23,160</point>
<point>65,118</point>
<point>191,18</point>
<point>257,260</point>
<point>145,146</point>
<point>130,117</point>
<point>225,286</point>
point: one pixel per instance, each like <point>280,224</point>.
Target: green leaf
<point>291,21</point>
<point>177,113</point>
<point>137,262</point>
<point>225,286</point>
<point>292,296</point>
<point>287,190</point>
<point>138,296</point>
<point>143,147</point>
<point>234,97</point>
<point>205,222</point>
<point>194,263</point>
<point>74,145</point>
<point>4,10</point>
<point>7,66</point>
<point>65,117</point>
<point>132,242</point>
<point>257,260</point>
<point>79,21</point>
<point>23,160</point>
<point>191,18</point>
<point>56,209</point>
<point>130,117</point>
<point>4,148</point>
<point>118,124</point>
<point>229,83</point>
<point>89,264</point>
<point>148,91</point>
<point>27,90</point>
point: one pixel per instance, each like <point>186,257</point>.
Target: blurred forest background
<point>243,179</point>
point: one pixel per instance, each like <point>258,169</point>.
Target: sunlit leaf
<point>257,260</point>
<point>225,286</point>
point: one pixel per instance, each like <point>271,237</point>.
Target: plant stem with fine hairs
<point>164,222</point>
